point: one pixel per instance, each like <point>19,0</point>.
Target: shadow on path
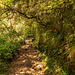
<point>27,61</point>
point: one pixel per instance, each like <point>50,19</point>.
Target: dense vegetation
<point>50,22</point>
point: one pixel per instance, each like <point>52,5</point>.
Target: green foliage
<point>7,50</point>
<point>51,23</point>
<point>4,67</point>
<point>2,40</point>
<point>9,44</point>
<point>72,40</point>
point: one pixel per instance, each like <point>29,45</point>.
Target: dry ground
<point>27,61</point>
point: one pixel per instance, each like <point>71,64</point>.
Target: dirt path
<point>27,61</point>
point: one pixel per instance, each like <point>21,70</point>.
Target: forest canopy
<point>50,22</point>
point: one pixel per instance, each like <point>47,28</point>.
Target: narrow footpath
<point>27,61</point>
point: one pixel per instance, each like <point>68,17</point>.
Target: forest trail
<point>27,61</point>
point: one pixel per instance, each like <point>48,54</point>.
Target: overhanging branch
<point>24,14</point>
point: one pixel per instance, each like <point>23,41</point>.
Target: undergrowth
<point>9,46</point>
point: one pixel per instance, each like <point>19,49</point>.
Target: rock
<point>38,67</point>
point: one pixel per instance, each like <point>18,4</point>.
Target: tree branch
<point>24,14</point>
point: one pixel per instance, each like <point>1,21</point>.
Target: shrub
<point>7,50</point>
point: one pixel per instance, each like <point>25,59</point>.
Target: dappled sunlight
<point>27,62</point>
<point>37,37</point>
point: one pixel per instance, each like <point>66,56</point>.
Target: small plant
<point>7,50</point>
